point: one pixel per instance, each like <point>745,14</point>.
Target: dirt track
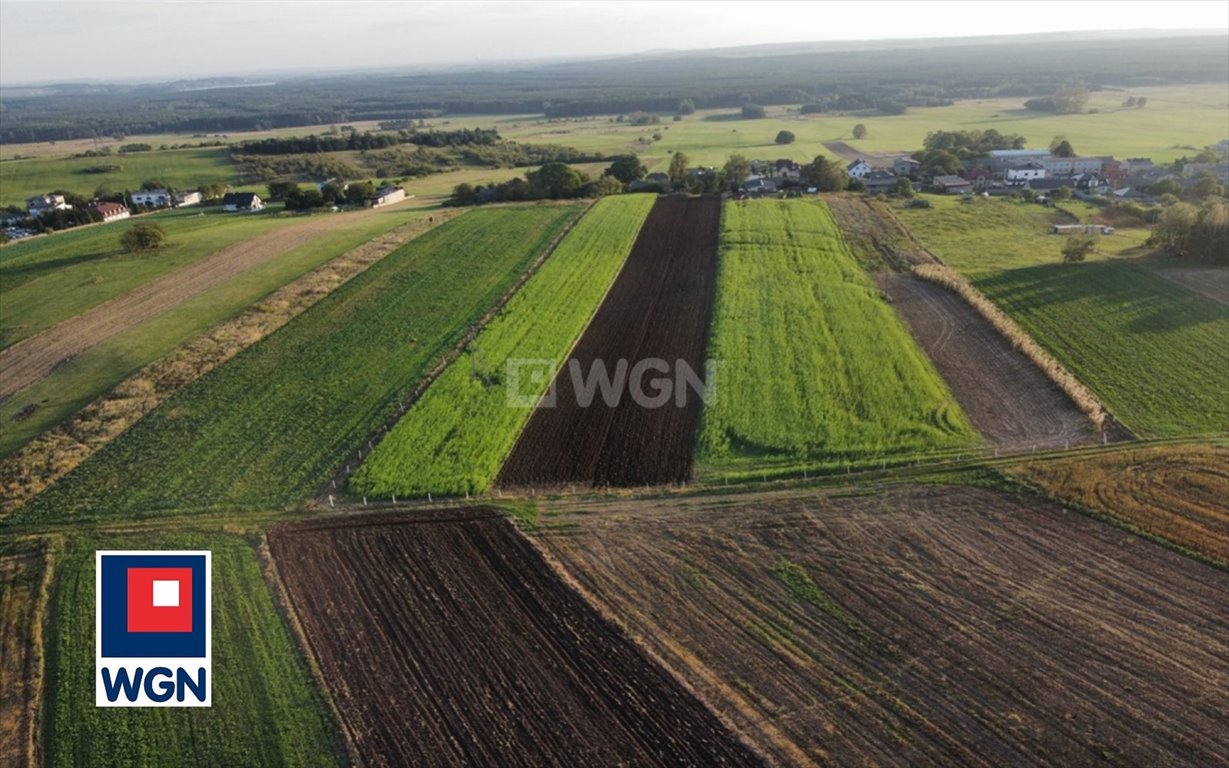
<point>32,359</point>
<point>1006,396</point>
<point>445,640</point>
<point>946,626</point>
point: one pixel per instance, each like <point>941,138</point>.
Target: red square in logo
<point>159,599</point>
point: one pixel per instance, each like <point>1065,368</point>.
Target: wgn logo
<point>153,635</point>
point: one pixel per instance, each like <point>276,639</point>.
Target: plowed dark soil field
<point>658,308</point>
<point>448,641</point>
<point>1005,395</point>
<point>919,626</point>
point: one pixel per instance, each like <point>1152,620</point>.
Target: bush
<point>143,236</point>
<point>785,137</point>
<point>753,112</point>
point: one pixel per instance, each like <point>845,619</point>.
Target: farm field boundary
<point>435,447</point>
<point>25,579</point>
<point>50,456</point>
<point>658,308</point>
<point>474,651</point>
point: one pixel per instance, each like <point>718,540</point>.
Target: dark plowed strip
<point>659,307</point>
<point>452,643</point>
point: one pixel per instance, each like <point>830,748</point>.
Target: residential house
<point>242,201</point>
<point>880,181</point>
<point>859,169</point>
<point>1091,184</point>
<point>952,185</point>
<point>111,211</point>
<point>758,185</point>
<point>1070,166</point>
<point>785,169</point>
<point>981,176</point>
<point>906,166</point>
<point>387,196</point>
<point>1019,175</point>
<point>190,197</point>
<point>37,206</point>
<point>152,198</point>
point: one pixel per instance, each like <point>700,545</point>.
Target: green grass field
<point>75,384</point>
<point>181,168</point>
<point>48,279</point>
<point>264,429</point>
<point>814,367</point>
<point>992,234</point>
<point>267,709</point>
<point>1155,353</point>
<point>456,437</point>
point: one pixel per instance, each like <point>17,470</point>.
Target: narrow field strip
<point>815,368</point>
<point>25,570</point>
<point>456,437</point>
<point>269,425</point>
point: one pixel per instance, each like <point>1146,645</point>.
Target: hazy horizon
<point>148,42</point>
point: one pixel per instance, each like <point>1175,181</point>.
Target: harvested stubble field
<point>816,370</point>
<point>1177,493</point>
<point>446,640</point>
<point>658,308</point>
<point>1004,394</point>
<point>24,569</point>
<point>264,429</point>
<point>917,625</point>
<point>435,448</point>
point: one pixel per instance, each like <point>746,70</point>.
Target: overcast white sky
<point>45,40</point>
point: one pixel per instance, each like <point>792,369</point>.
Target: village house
<point>183,199</point>
<point>952,185</point>
<point>880,181</point>
<point>758,185</point>
<point>37,206</point>
<point>859,169</point>
<point>1070,166</point>
<point>242,201</point>
<point>784,169</point>
<point>1019,175</point>
<point>390,195</point>
<point>111,211</point>
<point>1000,159</point>
<point>1090,184</point>
<point>905,166</point>
<point>152,198</point>
<point>981,177</point>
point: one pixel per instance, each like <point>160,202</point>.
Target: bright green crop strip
<point>266,428</point>
<point>266,708</point>
<point>456,437</point>
<point>814,367</point>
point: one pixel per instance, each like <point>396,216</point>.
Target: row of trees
<point>297,199</point>
<point>354,141</point>
<point>1200,232</point>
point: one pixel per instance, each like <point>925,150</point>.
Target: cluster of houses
<point>1008,171</point>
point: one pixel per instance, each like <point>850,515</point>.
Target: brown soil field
<point>1008,398</point>
<point>659,307</point>
<point>30,360</point>
<point>919,626</point>
<point>50,456</point>
<point>1209,282</point>
<point>1179,493</point>
<point>446,640</point>
<point>23,576</point>
<point>875,235</point>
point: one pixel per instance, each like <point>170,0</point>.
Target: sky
<point>50,41</point>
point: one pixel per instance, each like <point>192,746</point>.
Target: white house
<point>191,197</point>
<point>242,201</point>
<point>41,204</point>
<point>387,196</point>
<point>1019,175</point>
<point>111,211</point>
<point>859,169</point>
<point>152,198</point>
<point>1070,166</point>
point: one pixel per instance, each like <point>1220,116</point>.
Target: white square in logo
<point>166,594</point>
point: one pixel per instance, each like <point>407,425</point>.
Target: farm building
<point>242,201</point>
<point>1087,229</point>
<point>859,169</point>
<point>1018,175</point>
<point>1092,183</point>
<point>758,185</point>
<point>905,166</point>
<point>952,185</point>
<point>880,181</point>
<point>1069,166</point>
<point>152,198</point>
<point>111,211</point>
<point>41,204</point>
<point>387,196</point>
<point>191,197</point>
<point>1000,159</point>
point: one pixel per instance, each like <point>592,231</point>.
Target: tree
<point>753,112</point>
<point>827,175</point>
<point>626,168</point>
<point>603,186</point>
<point>737,169</point>
<point>1078,247</point>
<point>359,192</point>
<point>938,162</point>
<point>213,191</point>
<point>678,169</point>
<point>1140,102</point>
<point>1130,101</point>
<point>1174,226</point>
<point>1207,185</point>
<point>1060,147</point>
<point>1062,193</point>
<point>144,236</point>
<point>903,187</point>
<point>557,180</point>
<point>1165,187</point>
<point>785,137</point>
<point>685,107</point>
<point>859,131</point>
<point>463,193</point>
<point>280,190</point>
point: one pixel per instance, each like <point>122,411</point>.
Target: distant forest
<point>845,80</point>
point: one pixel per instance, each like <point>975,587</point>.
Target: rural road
<point>31,360</point>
